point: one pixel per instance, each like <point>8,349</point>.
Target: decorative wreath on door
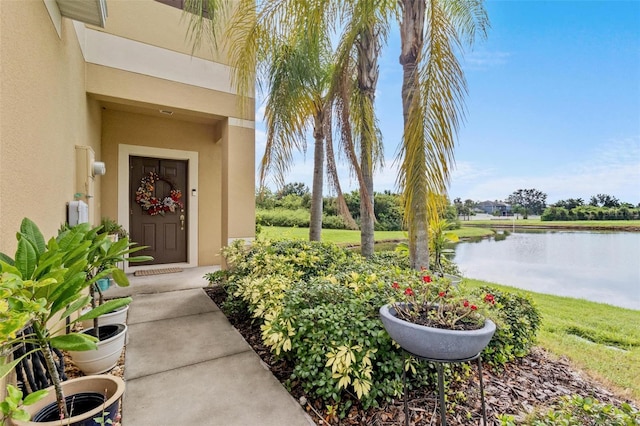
<point>154,205</point>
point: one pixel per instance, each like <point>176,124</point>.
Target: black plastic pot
<point>106,331</point>
<point>77,404</point>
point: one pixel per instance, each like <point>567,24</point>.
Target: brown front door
<point>158,208</point>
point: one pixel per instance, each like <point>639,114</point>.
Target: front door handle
<point>182,222</point>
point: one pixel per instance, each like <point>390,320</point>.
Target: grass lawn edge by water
<point>349,237</point>
<point>599,339</point>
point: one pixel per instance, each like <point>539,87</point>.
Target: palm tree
<point>433,86</point>
<point>298,79</point>
<point>355,81</point>
<point>296,71</point>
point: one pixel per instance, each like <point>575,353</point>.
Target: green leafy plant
<point>112,227</point>
<point>518,322</point>
<point>10,407</point>
<point>317,305</point>
<point>43,285</point>
<point>103,255</point>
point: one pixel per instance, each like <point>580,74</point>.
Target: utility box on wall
<point>78,212</point>
<point>85,157</point>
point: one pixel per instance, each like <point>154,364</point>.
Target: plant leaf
<point>34,397</point>
<point>105,308</point>
<point>6,368</point>
<point>120,277</point>
<point>6,259</point>
<point>21,415</point>
<point>26,258</point>
<point>31,232</point>
<point>74,342</point>
<point>14,393</point>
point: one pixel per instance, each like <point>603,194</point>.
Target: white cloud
<point>483,60</point>
<point>613,168</point>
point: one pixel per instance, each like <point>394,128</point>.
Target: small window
<point>180,4</point>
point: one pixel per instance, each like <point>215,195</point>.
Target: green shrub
<point>318,308</point>
<point>282,217</point>
<point>518,322</point>
<point>333,222</point>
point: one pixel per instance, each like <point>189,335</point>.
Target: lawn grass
<point>600,339</point>
<point>344,236</point>
<point>609,224</point>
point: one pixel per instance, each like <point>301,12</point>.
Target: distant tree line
<point>290,207</point>
<point>600,207</point>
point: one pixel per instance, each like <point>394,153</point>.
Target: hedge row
<point>590,213</point>
<point>295,218</point>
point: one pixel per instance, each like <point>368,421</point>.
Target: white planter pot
<point>105,357</point>
<point>119,316</point>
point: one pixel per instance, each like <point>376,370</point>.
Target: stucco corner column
<point>238,181</point>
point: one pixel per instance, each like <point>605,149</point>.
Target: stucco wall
<point>239,188</point>
<point>169,28</point>
<point>45,113</point>
<point>120,127</point>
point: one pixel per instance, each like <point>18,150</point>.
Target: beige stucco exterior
<point>71,93</point>
<point>104,89</point>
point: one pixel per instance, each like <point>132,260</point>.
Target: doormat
<point>156,272</point>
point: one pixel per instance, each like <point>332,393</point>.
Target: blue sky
<point>553,104</point>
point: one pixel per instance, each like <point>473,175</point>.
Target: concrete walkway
<point>187,365</point>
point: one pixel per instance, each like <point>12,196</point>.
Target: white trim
<point>80,35</point>
<point>112,51</point>
<point>237,122</point>
<point>54,13</point>
<point>124,152</point>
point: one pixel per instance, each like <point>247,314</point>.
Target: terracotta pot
<point>436,343</point>
<point>111,387</point>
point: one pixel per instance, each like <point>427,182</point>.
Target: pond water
<point>598,266</point>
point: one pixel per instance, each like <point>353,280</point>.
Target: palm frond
<point>438,105</point>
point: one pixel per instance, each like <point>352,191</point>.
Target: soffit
<point>159,111</point>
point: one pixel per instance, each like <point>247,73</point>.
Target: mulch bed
<point>536,380</point>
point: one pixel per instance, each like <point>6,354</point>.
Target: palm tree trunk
<point>412,40</point>
<point>367,80</point>
<point>315,224</point>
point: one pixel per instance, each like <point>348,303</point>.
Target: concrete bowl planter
<point>436,343</point>
<point>104,390</point>
<point>112,340</point>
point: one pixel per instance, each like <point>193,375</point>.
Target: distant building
<point>491,207</point>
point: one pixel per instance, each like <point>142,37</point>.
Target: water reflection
<point>598,266</point>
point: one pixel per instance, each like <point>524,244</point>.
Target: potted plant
<point>113,229</point>
<point>432,319</point>
<point>41,286</point>
<point>103,256</point>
